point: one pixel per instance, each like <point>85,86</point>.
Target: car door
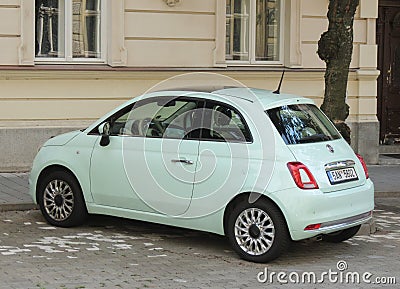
<point>150,163</point>
<point>224,154</point>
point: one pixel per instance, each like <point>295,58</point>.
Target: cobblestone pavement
<point>111,252</point>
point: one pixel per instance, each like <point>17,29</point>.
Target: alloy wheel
<point>58,200</point>
<point>254,231</point>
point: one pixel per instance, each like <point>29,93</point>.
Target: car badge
<point>330,148</point>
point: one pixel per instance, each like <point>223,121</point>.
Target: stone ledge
<point>20,145</point>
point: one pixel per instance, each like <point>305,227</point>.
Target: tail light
<point>302,176</point>
<point>364,165</point>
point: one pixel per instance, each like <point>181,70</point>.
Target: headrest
<point>222,116</point>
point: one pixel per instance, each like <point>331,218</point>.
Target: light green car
<point>261,168</point>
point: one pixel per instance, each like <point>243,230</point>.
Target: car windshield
<point>302,123</point>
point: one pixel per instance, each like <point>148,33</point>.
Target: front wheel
<point>258,231</point>
<point>60,199</point>
<point>342,235</point>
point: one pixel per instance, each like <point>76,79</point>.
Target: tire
<point>342,235</point>
<point>245,226</point>
<point>60,199</point>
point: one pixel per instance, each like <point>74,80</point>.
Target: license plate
<point>342,175</point>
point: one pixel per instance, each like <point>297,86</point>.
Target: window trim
<point>68,58</point>
<point>252,40</point>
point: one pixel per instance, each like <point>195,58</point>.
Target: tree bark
<point>335,47</point>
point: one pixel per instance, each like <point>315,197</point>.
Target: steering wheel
<point>148,127</point>
<point>144,126</point>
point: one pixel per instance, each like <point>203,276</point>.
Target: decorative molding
<point>116,52</point>
<point>172,3</point>
<point>170,12</point>
<point>367,74</point>
<point>369,9</point>
<point>5,6</point>
<point>26,50</point>
<point>220,31</point>
<point>171,39</point>
<point>9,35</point>
<point>293,36</point>
<point>67,72</point>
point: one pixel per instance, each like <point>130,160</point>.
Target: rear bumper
<point>344,223</point>
<point>334,211</point>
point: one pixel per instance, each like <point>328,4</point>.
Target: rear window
<point>302,123</point>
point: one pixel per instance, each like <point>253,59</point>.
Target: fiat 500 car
<point>263,169</point>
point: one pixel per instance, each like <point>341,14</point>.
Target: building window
<point>253,31</point>
<point>68,30</point>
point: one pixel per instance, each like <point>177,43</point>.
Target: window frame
<point>252,39</point>
<point>68,58</point>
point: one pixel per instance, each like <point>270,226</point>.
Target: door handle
<point>187,162</point>
<point>389,76</point>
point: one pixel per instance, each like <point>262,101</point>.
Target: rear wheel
<point>60,199</point>
<point>257,231</point>
<point>342,235</point>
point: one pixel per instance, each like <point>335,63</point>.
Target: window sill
<point>41,61</point>
<point>255,64</point>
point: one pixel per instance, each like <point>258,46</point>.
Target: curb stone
<point>387,194</point>
<point>18,207</point>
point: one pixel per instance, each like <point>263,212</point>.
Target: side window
<point>224,123</point>
<point>160,117</point>
<point>119,122</point>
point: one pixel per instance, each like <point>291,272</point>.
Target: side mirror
<point>104,130</point>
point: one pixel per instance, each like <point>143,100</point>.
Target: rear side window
<point>302,123</point>
<point>224,123</point>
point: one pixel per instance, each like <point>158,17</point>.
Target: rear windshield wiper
<point>314,138</point>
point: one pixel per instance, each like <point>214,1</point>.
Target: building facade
<point>64,63</point>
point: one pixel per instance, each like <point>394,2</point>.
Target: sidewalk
<point>14,187</point>
<point>14,192</point>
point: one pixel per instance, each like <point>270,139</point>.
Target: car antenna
<point>278,91</point>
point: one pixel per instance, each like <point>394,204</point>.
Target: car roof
<point>266,98</point>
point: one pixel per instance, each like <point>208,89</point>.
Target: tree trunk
<point>335,48</point>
